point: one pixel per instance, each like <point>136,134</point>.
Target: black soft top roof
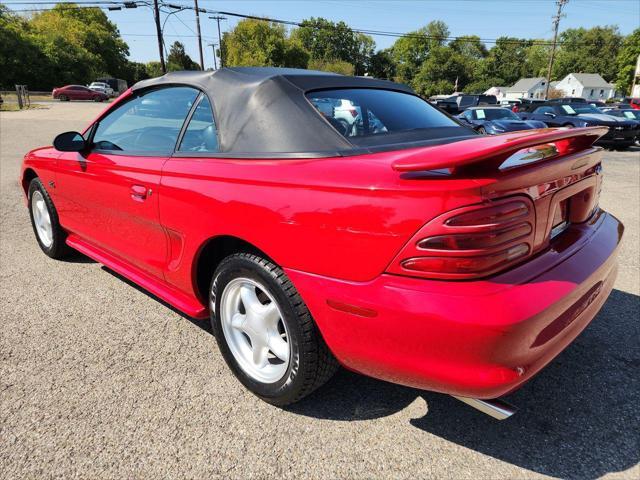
<point>263,111</point>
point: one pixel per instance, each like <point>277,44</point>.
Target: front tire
<point>482,131</point>
<point>44,220</point>
<point>63,98</point>
<point>265,331</point>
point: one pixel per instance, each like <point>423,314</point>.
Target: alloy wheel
<point>41,218</point>
<point>255,332</point>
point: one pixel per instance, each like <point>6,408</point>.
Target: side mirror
<point>549,114</point>
<point>70,142</point>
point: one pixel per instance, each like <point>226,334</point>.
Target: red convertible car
<point>408,248</point>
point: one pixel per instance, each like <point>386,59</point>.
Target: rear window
<point>368,115</point>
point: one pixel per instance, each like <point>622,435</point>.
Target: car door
<point>544,114</point>
<point>109,194</point>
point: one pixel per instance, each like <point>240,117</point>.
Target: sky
<point>485,18</point>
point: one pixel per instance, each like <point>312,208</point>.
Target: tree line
<point>72,45</point>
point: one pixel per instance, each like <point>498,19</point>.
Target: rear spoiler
<point>492,151</point>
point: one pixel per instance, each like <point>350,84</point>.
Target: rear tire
<point>277,377</point>
<point>44,220</point>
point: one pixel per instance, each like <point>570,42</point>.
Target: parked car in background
<point>597,103</point>
<point>567,100</point>
<point>448,105</point>
<point>102,87</point>
<point>495,120</point>
<point>416,251</point>
<point>629,114</point>
<point>78,92</point>
<point>118,85</point>
<point>633,102</point>
<point>622,132</point>
<point>526,104</point>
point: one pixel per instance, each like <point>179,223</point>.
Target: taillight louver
<point>470,242</point>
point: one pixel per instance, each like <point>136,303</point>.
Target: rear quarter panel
<point>339,217</point>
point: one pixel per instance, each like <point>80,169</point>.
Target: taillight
<point>470,242</point>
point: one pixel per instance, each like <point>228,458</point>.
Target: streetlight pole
<point>156,14</point>
<point>199,36</point>
<point>556,24</point>
<point>215,63</point>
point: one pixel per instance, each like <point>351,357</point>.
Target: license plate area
<point>560,218</point>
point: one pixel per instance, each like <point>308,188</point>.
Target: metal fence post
<point>18,93</point>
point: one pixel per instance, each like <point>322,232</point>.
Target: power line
<point>462,38</point>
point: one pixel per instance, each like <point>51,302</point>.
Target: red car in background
<point>409,248</point>
<point>78,92</point>
<point>635,103</point>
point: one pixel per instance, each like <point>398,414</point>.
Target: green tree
<point>80,43</point>
<point>505,61</point>
<point>179,60</point>
<point>626,62</point>
<point>591,50</point>
<point>410,52</point>
<point>153,69</point>
<point>381,65</point>
<point>330,42</point>
<point>440,71</point>
<point>258,43</point>
<point>22,60</point>
<point>335,66</point>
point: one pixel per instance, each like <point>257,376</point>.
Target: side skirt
<point>179,300</point>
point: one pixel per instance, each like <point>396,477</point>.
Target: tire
<point>98,99</point>
<point>482,131</point>
<point>568,125</point>
<point>280,381</point>
<point>63,98</point>
<point>42,213</point>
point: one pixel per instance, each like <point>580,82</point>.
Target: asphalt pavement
<point>100,380</point>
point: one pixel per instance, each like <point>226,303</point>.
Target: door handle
<point>139,192</point>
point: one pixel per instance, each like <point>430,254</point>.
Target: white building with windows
<point>590,86</point>
<point>527,88</point>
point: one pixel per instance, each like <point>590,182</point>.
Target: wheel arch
<point>211,253</point>
<point>28,175</point>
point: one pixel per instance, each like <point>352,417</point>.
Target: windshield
<point>579,108</point>
<point>495,114</point>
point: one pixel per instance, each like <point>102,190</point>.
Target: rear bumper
<point>478,339</point>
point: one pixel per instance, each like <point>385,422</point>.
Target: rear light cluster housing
<point>470,242</point>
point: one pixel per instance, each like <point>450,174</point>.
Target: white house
<point>590,86</point>
<point>527,88</point>
<point>499,92</point>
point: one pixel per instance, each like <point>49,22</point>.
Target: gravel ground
<point>100,380</point>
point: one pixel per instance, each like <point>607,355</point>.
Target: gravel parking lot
<point>100,380</point>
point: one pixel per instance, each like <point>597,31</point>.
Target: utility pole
<point>199,36</point>
<point>556,25</point>
<point>156,14</point>
<point>218,18</point>
<point>215,63</point>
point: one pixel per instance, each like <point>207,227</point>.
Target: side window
<point>201,134</point>
<point>468,114</point>
<point>360,112</point>
<point>150,122</point>
<point>543,110</point>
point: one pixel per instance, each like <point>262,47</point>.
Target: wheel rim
<point>254,330</point>
<point>41,218</point>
